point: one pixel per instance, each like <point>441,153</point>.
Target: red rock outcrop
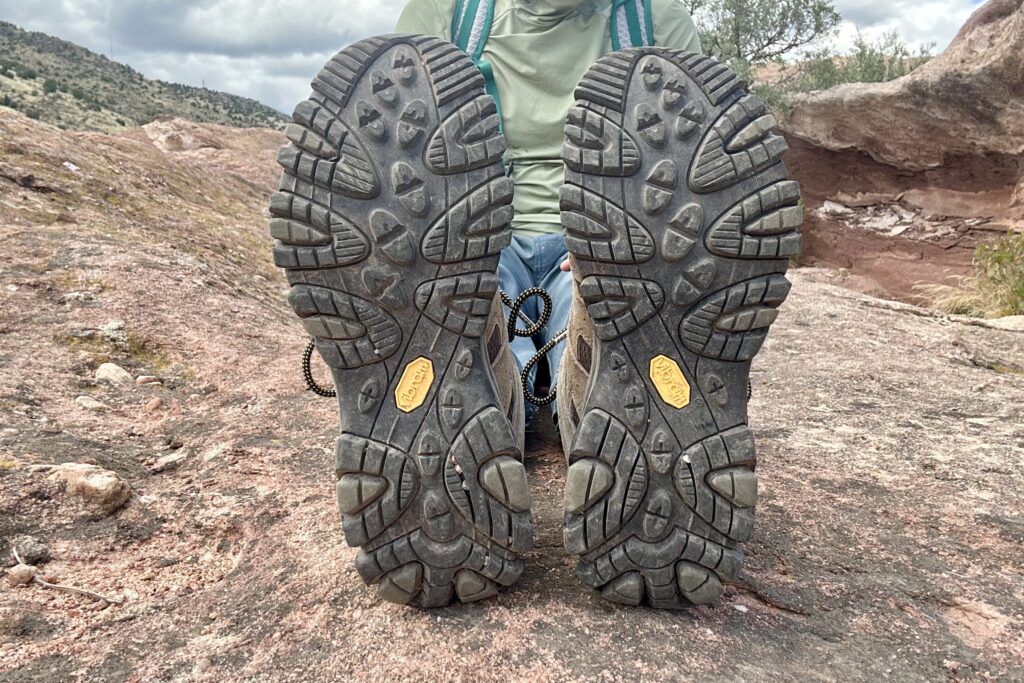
<point>945,143</point>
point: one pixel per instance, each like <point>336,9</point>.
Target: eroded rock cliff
<point>919,170</point>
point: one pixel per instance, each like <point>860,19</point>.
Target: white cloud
<point>270,49</point>
<point>936,21</point>
<point>265,49</point>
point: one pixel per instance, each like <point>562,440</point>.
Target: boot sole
<point>680,219</point>
<point>392,210</point>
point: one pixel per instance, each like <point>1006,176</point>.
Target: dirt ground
<point>890,535</point>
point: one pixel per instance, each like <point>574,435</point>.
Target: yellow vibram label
<point>669,381</point>
<point>415,384</point>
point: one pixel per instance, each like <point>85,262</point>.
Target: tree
<point>747,31</point>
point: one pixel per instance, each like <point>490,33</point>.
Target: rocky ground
<point>890,537</point>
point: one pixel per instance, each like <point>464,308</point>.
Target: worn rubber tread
<point>392,210</point>
<point>661,484</point>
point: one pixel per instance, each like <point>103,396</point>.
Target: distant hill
<point>61,83</point>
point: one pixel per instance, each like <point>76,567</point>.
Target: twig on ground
<point>67,589</point>
<point>78,591</point>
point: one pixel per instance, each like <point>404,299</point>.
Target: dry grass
<point>996,288</point>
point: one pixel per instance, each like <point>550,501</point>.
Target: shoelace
<point>307,373</point>
<point>515,314</point>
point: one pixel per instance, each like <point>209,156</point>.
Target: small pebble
<point>172,459</point>
<point>113,373</point>
<point>89,403</point>
<point>147,379</point>
<point>20,574</point>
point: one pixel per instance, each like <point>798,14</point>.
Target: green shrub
<point>995,289</point>
<point>887,59</point>
<point>49,86</point>
<point>868,62</point>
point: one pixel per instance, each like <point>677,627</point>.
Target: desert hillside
<point>64,84</point>
<point>888,544</point>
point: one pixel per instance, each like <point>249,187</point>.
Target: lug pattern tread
<point>762,226</point>
<point>475,226</point>
<point>707,186</point>
<point>732,323</point>
<point>467,140</point>
<point>391,211</point>
<point>595,144</point>
<point>598,230</point>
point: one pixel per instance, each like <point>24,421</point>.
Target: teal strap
<point>631,24</point>
<point>489,85</point>
<point>615,25</point>
<point>482,31</point>
<point>648,22</point>
<point>471,27</point>
<point>636,37</point>
<point>468,23</point>
<point>458,19</point>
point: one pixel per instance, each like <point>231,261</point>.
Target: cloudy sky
<point>270,49</point>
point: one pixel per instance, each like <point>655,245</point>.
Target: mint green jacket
<point>539,49</point>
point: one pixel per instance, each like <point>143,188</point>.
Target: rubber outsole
<point>392,210</point>
<point>680,219</point>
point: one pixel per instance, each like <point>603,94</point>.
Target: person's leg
<point>515,276</point>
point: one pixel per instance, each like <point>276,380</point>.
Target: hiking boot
<point>680,220</point>
<point>392,210</point>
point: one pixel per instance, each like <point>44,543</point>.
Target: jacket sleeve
<point>673,26</point>
<point>425,17</point>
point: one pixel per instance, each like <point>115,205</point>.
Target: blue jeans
<point>535,262</point>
